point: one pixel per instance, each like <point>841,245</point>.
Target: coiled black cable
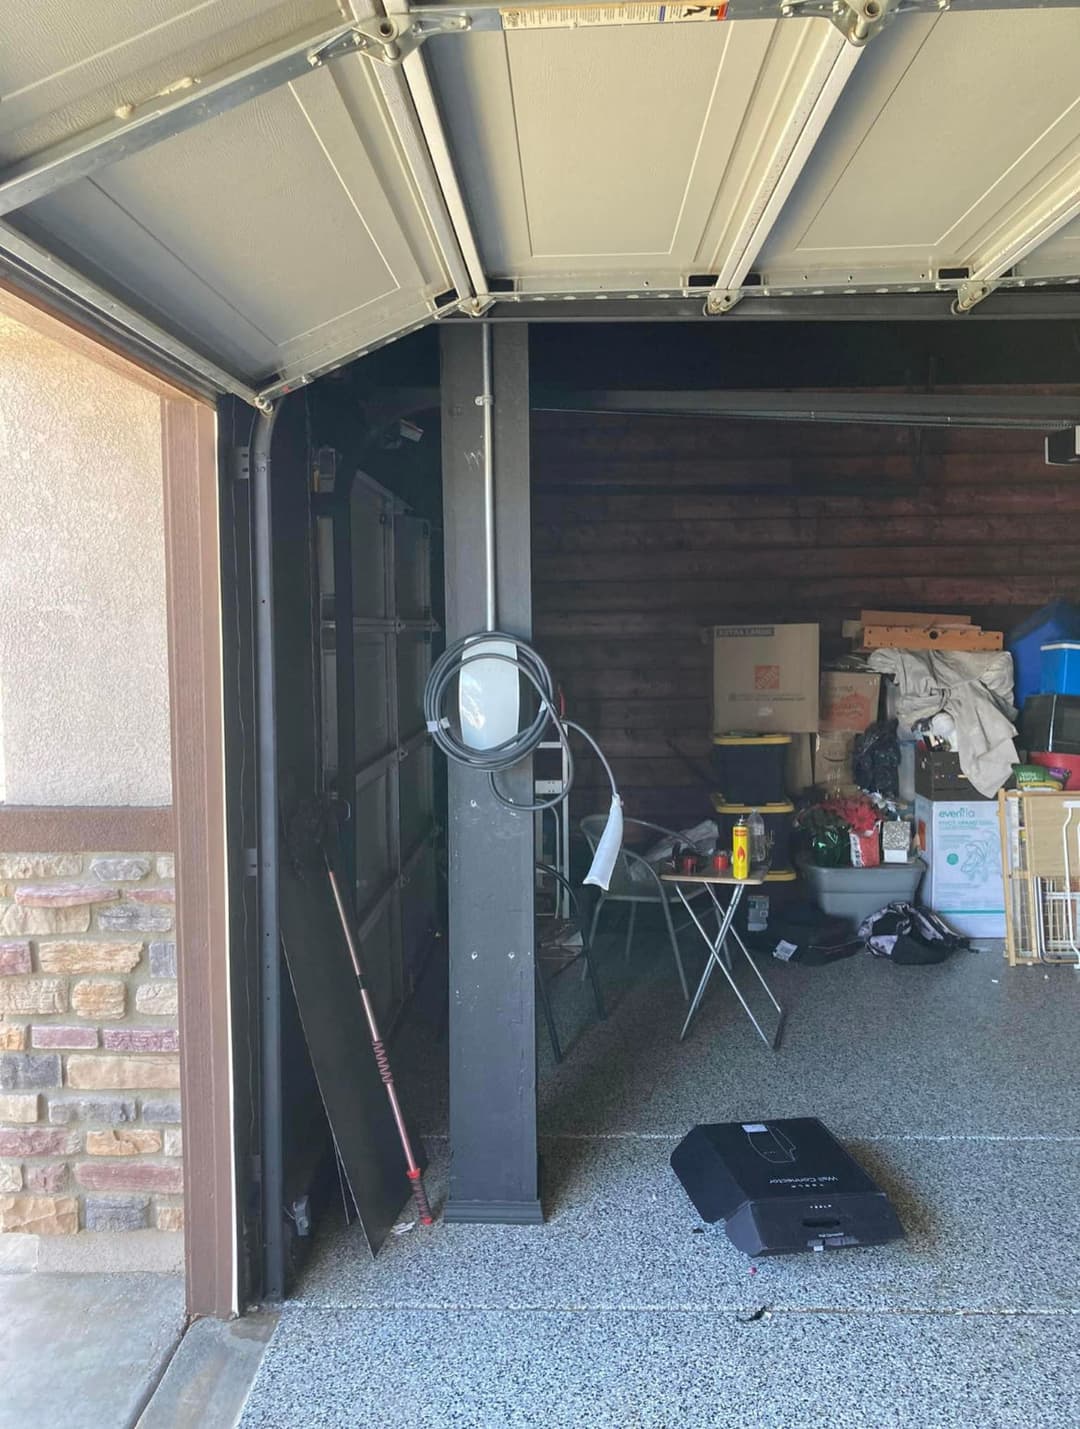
<point>448,668</point>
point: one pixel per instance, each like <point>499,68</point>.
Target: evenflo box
<point>961,843</point>
<point>765,679</point>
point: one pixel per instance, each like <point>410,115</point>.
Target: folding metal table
<point>718,951</point>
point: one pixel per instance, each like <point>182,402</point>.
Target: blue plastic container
<point>1061,668</point>
<point>1060,621</point>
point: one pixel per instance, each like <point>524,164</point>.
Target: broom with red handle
<point>383,1061</point>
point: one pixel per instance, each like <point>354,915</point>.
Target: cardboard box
<point>834,762</point>
<point>961,843</point>
<point>849,701</point>
<point>765,679</point>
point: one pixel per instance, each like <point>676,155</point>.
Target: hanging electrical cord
<point>446,672</point>
<point>528,663</point>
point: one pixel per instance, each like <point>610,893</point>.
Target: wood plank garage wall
<point>647,529</point>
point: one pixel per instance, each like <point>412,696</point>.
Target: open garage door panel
<point>769,154</point>
<point>280,237</point>
<point>663,139</point>
<point>954,152</point>
<point>279,188</point>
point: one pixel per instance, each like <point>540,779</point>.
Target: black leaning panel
<point>339,1042</point>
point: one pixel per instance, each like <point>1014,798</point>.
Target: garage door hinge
<point>722,300</point>
<point>970,293</point>
<point>241,463</point>
<point>390,39</point>
<point>251,862</point>
<point>857,20</point>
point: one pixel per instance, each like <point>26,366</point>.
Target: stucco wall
<point>84,712</point>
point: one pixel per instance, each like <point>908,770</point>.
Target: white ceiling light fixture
<point>1057,204</point>
<point>841,47</point>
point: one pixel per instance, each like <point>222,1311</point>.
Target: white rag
<point>976,689</point>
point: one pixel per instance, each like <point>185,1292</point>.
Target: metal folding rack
<point>1040,841</point>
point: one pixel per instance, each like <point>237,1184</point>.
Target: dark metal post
<point>492,991</point>
<point>269,934</point>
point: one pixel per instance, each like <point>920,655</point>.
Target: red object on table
<point>721,863</point>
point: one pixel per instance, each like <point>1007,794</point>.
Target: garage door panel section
<point>370,511</point>
<point>167,190</point>
<point>65,68</point>
<point>1036,210</point>
<point>1059,256</point>
<point>471,79</point>
<point>372,676</point>
<point>950,128</point>
<point>789,82</point>
<point>374,858</point>
<point>618,181</point>
<point>279,237</point>
<point>634,150</point>
<point>84,225</point>
<point>416,801</point>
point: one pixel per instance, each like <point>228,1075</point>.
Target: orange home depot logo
<point>766,677</point>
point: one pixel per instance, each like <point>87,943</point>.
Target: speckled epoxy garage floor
<point>955,1085</point>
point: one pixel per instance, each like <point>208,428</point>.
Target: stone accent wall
<point>89,1043</point>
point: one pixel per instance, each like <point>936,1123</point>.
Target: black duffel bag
<point>909,935</point>
<point>802,933</point>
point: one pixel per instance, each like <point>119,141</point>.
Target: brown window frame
<point>194,827</point>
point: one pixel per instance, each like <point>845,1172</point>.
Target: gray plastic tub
<point>855,893</point>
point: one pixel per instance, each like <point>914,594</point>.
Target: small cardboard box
<point>849,701</point>
<point>765,679</point>
<point>834,762</point>
<point>961,842</point>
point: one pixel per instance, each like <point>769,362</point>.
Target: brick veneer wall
<point>89,1043</point>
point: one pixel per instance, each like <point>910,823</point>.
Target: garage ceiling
<point>262,191</point>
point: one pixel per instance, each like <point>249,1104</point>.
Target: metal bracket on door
<point>721,300</point>
<point>857,20</point>
<point>390,39</point>
<point>970,293</point>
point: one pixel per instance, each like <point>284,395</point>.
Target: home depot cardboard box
<point>765,679</point>
<point>961,842</point>
<point>849,701</point>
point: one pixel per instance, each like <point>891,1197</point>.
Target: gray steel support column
<point>492,990</point>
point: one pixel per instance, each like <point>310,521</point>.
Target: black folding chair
<point>634,881</point>
<point>560,943</point>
